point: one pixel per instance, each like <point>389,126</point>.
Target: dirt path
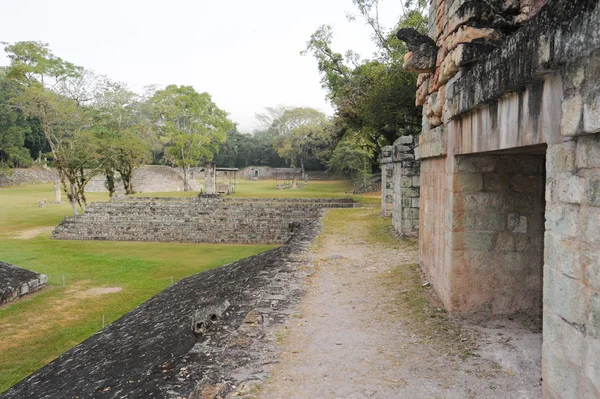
<point>366,330</point>
<point>31,233</point>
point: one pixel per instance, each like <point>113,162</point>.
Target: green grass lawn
<point>39,328</point>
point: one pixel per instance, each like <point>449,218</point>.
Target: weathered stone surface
<point>401,199</point>
<point>16,282</point>
<point>27,176</point>
<point>206,219</point>
<point>423,51</point>
<point>152,351</point>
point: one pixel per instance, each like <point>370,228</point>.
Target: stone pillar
<point>387,181</point>
<point>406,187</point>
<point>571,345</point>
<point>294,182</point>
<point>211,178</point>
<point>57,191</point>
<point>400,184</point>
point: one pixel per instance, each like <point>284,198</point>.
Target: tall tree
<point>373,99</point>
<point>57,94</point>
<point>190,124</point>
<point>300,133</point>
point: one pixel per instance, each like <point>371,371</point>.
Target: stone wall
<point>400,186</point>
<point>208,219</point>
<point>152,352</point>
<point>152,179</point>
<point>27,176</point>
<point>571,349</point>
<point>497,220</point>
<point>503,84</point>
<point>268,172</point>
<point>16,282</point>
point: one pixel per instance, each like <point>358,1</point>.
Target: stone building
<point>510,170</point>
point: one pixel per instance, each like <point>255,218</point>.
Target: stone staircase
<point>209,219</point>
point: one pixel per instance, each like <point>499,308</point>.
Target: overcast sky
<point>246,54</point>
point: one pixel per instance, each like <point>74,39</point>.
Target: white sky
<point>245,53</point>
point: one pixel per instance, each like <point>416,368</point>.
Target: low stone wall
<point>16,282</point>
<point>152,352</point>
<point>208,219</point>
<point>27,176</point>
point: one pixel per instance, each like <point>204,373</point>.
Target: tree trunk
<point>110,181</point>
<point>73,198</point>
<point>186,183</point>
<point>130,189</point>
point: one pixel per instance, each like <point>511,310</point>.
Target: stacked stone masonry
<point>400,185</point>
<point>152,351</point>
<point>511,104</point>
<point>16,282</point>
<point>207,219</point>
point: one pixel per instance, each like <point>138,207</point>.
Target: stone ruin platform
<point>207,219</point>
<point>155,350</point>
<point>16,282</point>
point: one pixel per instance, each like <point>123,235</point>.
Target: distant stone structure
<point>152,352</point>
<point>27,176</point>
<point>268,172</point>
<point>510,170</point>
<point>208,219</point>
<point>153,179</point>
<point>16,282</point>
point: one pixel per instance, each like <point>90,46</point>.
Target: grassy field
<point>102,278</point>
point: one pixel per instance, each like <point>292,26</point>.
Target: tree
<point>190,124</point>
<point>15,128</point>
<point>120,124</point>
<point>300,133</point>
<point>374,99</point>
<point>57,94</point>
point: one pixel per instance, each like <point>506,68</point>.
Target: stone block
<point>416,181</point>
<point>593,326</point>
<point>563,254</point>
<point>416,202</point>
<point>565,296</point>
<point>591,262</point>
<point>466,34</point>
<point>567,341</point>
<point>524,183</point>
<point>504,242</point>
<point>591,113</point>
<point>563,220</point>
<point>561,157</point>
<point>517,223</point>
<point>475,241</point>
<point>592,190</point>
<point>410,193</point>
<point>410,213</point>
<point>406,182</point>
<point>523,243</point>
<point>592,364</point>
<point>495,182</point>
<point>407,202</point>
<point>591,216</point>
<point>572,115</point>
<point>588,152</point>
<point>570,189</point>
<point>491,222</point>
<point>467,182</point>
<point>475,164</point>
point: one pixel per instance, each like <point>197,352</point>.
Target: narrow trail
<point>365,329</point>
